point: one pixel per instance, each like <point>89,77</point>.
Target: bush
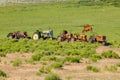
<point>52,76</point>
<point>61,60</point>
<point>47,53</point>
<point>118,64</point>
<point>112,68</point>
<point>87,52</point>
<point>36,56</point>
<point>29,61</point>
<point>110,54</point>
<point>92,68</point>
<point>69,78</point>
<point>2,73</point>
<point>57,65</point>
<point>95,57</point>
<point>73,59</point>
<point>44,69</point>
<point>43,62</point>
<point>115,44</point>
<point>48,69</point>
<point>49,58</point>
<point>41,70</point>
<point>16,62</point>
<point>2,54</point>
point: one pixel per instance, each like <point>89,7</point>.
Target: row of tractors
<point>63,36</point>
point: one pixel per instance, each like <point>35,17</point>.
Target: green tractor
<point>43,34</point>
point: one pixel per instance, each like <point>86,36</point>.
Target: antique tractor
<point>98,38</point>
<point>65,36</point>
<point>18,35</point>
<point>43,34</point>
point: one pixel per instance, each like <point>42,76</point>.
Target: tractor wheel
<point>35,36</point>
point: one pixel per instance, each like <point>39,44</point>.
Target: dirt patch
<point>24,71</point>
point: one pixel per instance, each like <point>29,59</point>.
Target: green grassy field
<point>60,16</point>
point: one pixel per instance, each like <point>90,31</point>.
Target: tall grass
<point>112,68</point>
<point>52,76</point>
<point>92,68</point>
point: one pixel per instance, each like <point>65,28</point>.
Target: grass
<point>16,62</point>
<point>92,68</point>
<point>111,68</point>
<point>52,76</point>
<point>118,64</point>
<point>2,54</point>
<point>95,58</point>
<point>73,59</point>
<point>47,50</point>
<point>41,70</point>
<point>2,74</point>
<point>31,61</point>
<point>3,78</point>
<point>57,65</point>
<point>49,58</point>
<point>110,54</point>
<point>44,70</point>
<point>59,16</point>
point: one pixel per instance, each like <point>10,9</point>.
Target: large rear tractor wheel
<point>35,36</point>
